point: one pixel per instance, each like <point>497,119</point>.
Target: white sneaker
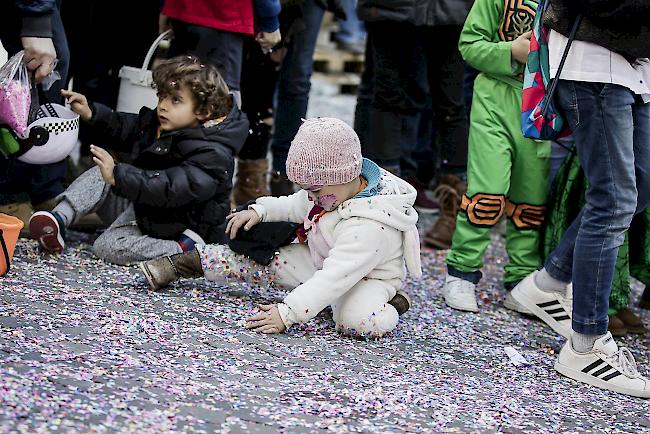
<point>459,294</point>
<point>512,304</point>
<point>605,366</point>
<point>551,307</point>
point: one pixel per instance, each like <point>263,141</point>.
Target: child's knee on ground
<point>364,310</point>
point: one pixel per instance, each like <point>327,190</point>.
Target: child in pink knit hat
<point>352,238</point>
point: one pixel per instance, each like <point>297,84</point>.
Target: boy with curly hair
<point>174,191</point>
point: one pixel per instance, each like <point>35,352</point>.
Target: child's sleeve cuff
<point>287,315</point>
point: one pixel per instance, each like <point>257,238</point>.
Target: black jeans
<point>405,65</point>
<point>21,182</point>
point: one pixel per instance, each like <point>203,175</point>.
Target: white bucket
<point>135,83</point>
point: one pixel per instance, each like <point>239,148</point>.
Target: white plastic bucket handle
<point>152,49</point>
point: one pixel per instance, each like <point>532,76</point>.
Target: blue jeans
<point>352,30</point>
<point>294,83</point>
<point>611,129</point>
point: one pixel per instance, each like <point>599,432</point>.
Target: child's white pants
<point>363,310</point>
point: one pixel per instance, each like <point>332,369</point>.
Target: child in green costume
<point>506,172</point>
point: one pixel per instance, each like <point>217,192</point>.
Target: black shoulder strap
<point>5,251</point>
<point>572,36</point>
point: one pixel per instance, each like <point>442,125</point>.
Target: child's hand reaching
<point>78,104</point>
<point>268,321</point>
<point>248,218</point>
<point>520,46</point>
<point>105,162</point>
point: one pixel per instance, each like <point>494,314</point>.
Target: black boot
<point>280,185</point>
<point>401,302</point>
<point>160,272</point>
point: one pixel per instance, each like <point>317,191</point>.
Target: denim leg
<point>602,119</point>
<point>351,29</point>
<point>294,84</point>
<point>364,99</point>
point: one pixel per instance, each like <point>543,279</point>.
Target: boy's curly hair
<point>210,91</point>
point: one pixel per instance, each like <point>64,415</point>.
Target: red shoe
<point>45,228</point>
<point>423,203</point>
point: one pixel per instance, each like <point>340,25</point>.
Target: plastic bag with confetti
<point>15,97</point>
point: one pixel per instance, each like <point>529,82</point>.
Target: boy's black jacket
<point>622,26</point>
<point>180,180</point>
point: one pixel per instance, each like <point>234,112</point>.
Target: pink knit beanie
<point>325,151</point>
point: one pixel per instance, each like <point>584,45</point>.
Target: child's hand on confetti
<point>268,321</point>
<point>247,218</point>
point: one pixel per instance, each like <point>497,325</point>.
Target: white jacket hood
<point>388,200</point>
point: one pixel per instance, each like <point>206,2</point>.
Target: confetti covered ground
<point>86,348</point>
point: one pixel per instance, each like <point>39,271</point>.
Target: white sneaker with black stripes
<point>553,308</point>
<point>606,366</point>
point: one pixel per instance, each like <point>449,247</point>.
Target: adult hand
<point>268,321</point>
<point>520,47</point>
<point>78,104</point>
<point>164,23</point>
<point>105,162</point>
<point>268,40</point>
<point>39,56</point>
<point>247,218</point>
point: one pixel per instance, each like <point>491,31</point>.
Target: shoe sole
<point>44,228</point>
<point>529,304</point>
<point>597,382</point>
<point>148,276</point>
<point>461,308</point>
<point>515,308</point>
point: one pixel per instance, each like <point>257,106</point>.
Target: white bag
<point>135,83</point>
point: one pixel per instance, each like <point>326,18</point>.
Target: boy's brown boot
<point>632,321</point>
<point>160,272</point>
<point>616,326</point>
<point>251,181</point>
<point>442,231</point>
<point>280,185</point>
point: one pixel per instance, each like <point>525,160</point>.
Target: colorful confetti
<point>86,348</point>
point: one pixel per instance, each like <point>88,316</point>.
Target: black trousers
<point>406,64</point>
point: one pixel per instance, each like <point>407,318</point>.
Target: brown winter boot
<point>280,185</point>
<point>251,181</point>
<point>160,272</point>
<point>632,321</point>
<point>454,182</point>
<point>616,326</point>
<point>442,231</point>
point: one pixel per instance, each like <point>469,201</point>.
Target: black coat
<point>622,26</point>
<point>416,12</point>
<point>180,180</point>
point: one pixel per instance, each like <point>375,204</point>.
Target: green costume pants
<point>506,174</point>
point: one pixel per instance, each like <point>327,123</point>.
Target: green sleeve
<point>479,40</point>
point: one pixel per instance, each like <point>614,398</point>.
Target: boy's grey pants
<point>122,243</point>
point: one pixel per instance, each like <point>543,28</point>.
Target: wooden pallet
<point>331,60</point>
<point>345,83</point>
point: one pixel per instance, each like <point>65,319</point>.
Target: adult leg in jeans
<point>294,84</point>
<point>611,129</point>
